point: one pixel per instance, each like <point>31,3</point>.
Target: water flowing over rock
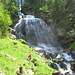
<point>64,62</point>
<point>37,34</point>
<point>64,68</point>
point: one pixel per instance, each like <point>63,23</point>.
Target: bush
<point>73,45</point>
<point>13,10</point>
<point>5,21</point>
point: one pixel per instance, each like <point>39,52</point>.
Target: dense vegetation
<point>8,11</point>
<point>5,20</point>
<point>63,14</point>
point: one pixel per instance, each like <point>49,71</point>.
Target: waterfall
<point>37,33</point>
<point>65,70</point>
<point>19,4</point>
<point>64,66</point>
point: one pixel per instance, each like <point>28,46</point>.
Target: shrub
<point>5,21</point>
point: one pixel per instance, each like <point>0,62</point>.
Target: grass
<point>13,54</point>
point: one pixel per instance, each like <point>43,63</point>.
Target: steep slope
<point>13,54</point>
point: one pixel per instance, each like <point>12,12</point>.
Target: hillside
<point>13,54</point>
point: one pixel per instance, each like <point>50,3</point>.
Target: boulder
<point>12,36</point>
<point>56,73</point>
<point>54,66</point>
<point>12,31</point>
<point>2,73</point>
<point>50,55</point>
<point>40,51</point>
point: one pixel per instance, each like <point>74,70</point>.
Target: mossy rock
<point>57,60</point>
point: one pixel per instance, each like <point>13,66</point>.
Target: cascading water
<point>36,32</point>
<point>65,67</point>
<point>65,70</point>
<point>19,4</point>
<point>63,63</point>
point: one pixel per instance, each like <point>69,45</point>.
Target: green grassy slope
<point>13,53</point>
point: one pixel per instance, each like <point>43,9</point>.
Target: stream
<point>38,34</point>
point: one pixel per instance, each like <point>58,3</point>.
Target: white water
<point>65,56</point>
<point>47,45</point>
<point>19,4</point>
<point>63,70</point>
<point>65,66</point>
<point>36,32</point>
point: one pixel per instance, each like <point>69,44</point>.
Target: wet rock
<point>67,74</point>
<point>48,55</point>
<point>70,74</point>
<point>57,73</point>
<point>73,66</point>
<point>73,54</point>
<point>12,31</point>
<point>53,65</point>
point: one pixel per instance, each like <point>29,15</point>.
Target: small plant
<point>73,45</point>
<point>22,41</point>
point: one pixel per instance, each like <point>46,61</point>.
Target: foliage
<point>73,45</point>
<point>35,4</point>
<point>71,33</point>
<point>8,11</point>
<point>12,6</point>
<point>5,2</point>
<point>44,8</point>
<point>5,21</point>
<point>63,13</point>
<point>20,52</point>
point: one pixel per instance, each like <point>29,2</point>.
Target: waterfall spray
<point>37,34</point>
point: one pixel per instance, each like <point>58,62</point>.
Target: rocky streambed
<point>64,61</point>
